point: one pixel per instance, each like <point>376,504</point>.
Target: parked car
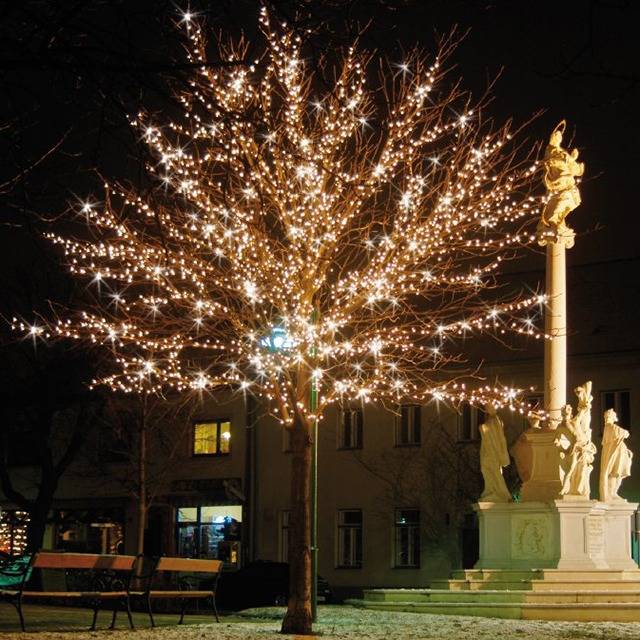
<point>260,584</point>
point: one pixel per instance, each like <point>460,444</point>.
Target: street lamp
<point>278,340</point>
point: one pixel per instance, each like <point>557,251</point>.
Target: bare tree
<point>441,479</point>
<point>46,417</point>
<point>143,437</point>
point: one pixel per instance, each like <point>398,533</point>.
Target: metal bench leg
<point>95,618</point>
<point>113,616</point>
<point>18,606</point>
<point>150,612</point>
<point>215,608</point>
<point>182,610</point>
<point>128,603</point>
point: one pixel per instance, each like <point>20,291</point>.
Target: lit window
<point>209,531</point>
<point>407,538</point>
<point>13,532</point>
<point>469,423</point>
<point>350,429</point>
<point>350,538</point>
<point>212,438</point>
<point>620,401</point>
<point>408,425</point>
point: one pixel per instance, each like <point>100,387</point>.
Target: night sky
<point>71,71</point>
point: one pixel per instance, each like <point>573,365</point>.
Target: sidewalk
<point>335,623</point>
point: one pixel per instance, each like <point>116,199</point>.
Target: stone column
<point>555,325</point>
<point>537,456</point>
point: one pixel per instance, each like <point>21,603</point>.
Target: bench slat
<point>74,594</point>
<point>189,565</point>
<point>51,560</point>
<point>181,594</point>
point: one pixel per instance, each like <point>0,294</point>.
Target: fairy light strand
<point>368,232</point>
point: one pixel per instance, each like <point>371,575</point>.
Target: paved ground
<point>335,623</point>
<point>75,619</point>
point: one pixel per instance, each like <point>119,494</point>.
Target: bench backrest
<point>189,565</point>
<point>15,571</point>
<point>53,560</point>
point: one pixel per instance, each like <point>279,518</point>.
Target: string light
<point>307,235</point>
<point>13,532</point>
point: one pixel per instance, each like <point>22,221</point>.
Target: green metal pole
<point>314,499</point>
<point>314,523</point>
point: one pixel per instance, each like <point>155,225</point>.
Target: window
<point>408,425</point>
<point>620,402</point>
<point>13,532</point>
<point>283,550</point>
<point>209,532</point>
<point>88,530</point>
<point>350,538</point>
<point>212,438</point>
<point>407,538</point>
<point>350,429</point>
<point>469,423</point>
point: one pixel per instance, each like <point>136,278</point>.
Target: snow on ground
<point>344,622</point>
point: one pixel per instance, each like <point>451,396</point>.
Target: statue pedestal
<point>538,463</point>
<point>571,534</point>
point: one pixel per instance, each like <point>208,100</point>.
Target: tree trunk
<point>37,523</point>
<point>298,617</point>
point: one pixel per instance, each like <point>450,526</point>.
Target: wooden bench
<point>186,591</point>
<point>110,579</point>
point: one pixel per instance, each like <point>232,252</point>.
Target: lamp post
<point>313,405</point>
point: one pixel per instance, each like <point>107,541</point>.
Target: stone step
<point>497,574</point>
<point>509,575</point>
<point>395,595</point>
<point>501,596</point>
<point>586,611</point>
<point>589,574</point>
<point>536,585</point>
<point>474,585</point>
<point>553,597</point>
<point>584,585</point>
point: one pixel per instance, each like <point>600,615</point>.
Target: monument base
<point>538,462</point>
<point>571,534</point>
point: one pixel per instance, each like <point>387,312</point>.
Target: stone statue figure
<point>561,170</point>
<point>615,463</point>
<point>493,456</point>
<point>583,415</point>
<point>534,418</point>
<point>577,451</point>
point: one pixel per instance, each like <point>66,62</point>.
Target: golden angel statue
<point>561,170</point>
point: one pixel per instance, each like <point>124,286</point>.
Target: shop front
<point>208,523</point>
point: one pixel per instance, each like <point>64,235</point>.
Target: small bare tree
<point>441,478</point>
